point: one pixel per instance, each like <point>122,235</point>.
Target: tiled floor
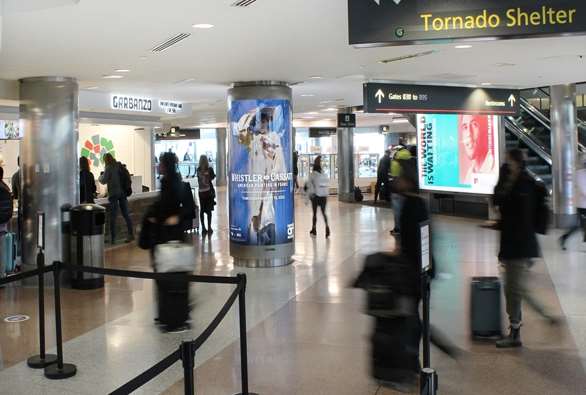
<point>307,333</point>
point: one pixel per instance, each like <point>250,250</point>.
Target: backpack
<point>125,180</point>
<point>358,196</point>
<point>542,214</point>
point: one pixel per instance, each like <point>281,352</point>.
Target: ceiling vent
<point>243,3</point>
<point>170,42</point>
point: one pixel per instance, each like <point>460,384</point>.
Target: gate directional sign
<point>423,99</point>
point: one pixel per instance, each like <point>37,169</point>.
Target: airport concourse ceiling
<point>303,42</point>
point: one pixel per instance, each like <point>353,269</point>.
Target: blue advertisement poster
<point>458,153</point>
<point>261,175</point>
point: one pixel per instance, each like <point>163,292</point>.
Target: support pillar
<point>221,158</point>
<point>346,162</point>
<point>49,114</point>
<point>262,211</point>
<point>564,152</point>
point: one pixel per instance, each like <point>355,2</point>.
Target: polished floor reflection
<point>307,332</point>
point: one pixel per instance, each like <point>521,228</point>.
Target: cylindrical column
<point>262,212</point>
<point>564,151</point>
<point>345,163</point>
<point>49,166</point>
<point>221,157</point>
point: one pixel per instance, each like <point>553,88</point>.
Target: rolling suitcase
<point>7,253</point>
<point>485,307</point>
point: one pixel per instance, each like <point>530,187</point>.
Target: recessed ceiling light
<point>312,113</point>
<point>316,77</point>
<point>486,84</point>
<point>331,109</point>
<point>143,58</point>
<point>122,70</point>
<point>202,26</point>
<point>112,77</point>
<point>91,88</point>
<point>465,46</point>
<point>307,95</point>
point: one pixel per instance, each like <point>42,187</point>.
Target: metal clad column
<point>49,115</point>
<point>262,211</point>
<point>564,150</point>
<point>346,163</point>
<point>221,157</point>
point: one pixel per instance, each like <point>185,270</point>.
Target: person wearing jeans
<point>116,196</point>
<point>517,200</point>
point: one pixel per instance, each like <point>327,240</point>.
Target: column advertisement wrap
<point>458,153</point>
<point>261,177</point>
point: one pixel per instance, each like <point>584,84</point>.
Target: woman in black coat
<point>87,182</point>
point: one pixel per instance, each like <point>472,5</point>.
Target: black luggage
<point>485,307</point>
<point>395,349</point>
<point>173,292</point>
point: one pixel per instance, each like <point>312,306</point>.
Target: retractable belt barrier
<point>54,366</point>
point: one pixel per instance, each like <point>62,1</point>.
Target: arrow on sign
<point>512,99</point>
<point>379,95</point>
<point>396,1</point>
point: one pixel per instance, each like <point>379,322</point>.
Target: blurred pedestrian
<point>516,197</point>
<point>117,196</point>
<point>318,187</point>
<point>580,204</point>
<point>382,177</point>
<point>87,182</point>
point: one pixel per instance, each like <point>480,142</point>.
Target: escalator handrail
<point>511,124</point>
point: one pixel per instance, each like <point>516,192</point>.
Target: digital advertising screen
<point>458,153</point>
<point>10,130</point>
<point>261,174</point>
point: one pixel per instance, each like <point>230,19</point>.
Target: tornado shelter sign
<point>402,22</point>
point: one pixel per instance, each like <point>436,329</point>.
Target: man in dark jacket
<point>382,178</point>
<point>6,206</point>
<point>516,198</point>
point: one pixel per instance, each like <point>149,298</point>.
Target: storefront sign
<point>261,173</point>
<point>439,99</point>
<point>171,107</point>
<point>346,120</point>
<point>131,103</point>
<point>403,22</point>
<point>316,133</point>
<point>458,153</point>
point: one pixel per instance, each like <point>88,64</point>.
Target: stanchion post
<point>188,359</point>
<point>426,292</point>
<point>243,340</point>
<point>429,382</point>
<point>42,360</point>
<point>59,370</point>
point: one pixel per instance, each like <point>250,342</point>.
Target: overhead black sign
<point>316,133</point>
<point>421,99</point>
<point>346,120</point>
<point>401,22</point>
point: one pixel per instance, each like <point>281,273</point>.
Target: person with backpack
<point>207,194</point>
<point>382,177</point>
<point>318,188</point>
<point>402,154</point>
<point>87,182</point>
<point>116,177</point>
<point>521,201</point>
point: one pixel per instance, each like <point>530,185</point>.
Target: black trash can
<point>66,242</point>
<point>87,244</point>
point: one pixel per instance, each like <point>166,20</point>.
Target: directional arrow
<point>379,95</point>
<point>396,1</point>
<point>512,99</point>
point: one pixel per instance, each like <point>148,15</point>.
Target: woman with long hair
<point>318,189</point>
<point>207,194</point>
<point>87,182</point>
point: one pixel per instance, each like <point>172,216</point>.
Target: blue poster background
<point>248,162</point>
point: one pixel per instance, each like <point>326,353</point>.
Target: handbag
<point>174,257</point>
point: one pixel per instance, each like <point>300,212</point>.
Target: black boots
<point>327,232</point>
<point>513,340</point>
<point>313,232</point>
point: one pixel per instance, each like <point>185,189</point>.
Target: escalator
<point>531,132</point>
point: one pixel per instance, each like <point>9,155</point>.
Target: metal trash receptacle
<point>87,244</point>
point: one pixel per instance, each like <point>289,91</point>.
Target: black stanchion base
<point>37,362</point>
<point>250,393</point>
<point>54,373</point>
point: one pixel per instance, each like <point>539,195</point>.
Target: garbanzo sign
<point>390,22</point>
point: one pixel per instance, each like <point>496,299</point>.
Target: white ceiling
<point>285,40</point>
